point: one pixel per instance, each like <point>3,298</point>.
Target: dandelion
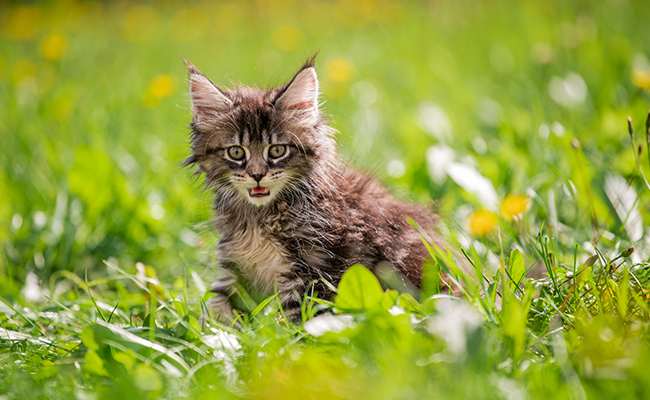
<point>339,70</point>
<point>53,46</point>
<point>160,87</point>
<point>641,79</point>
<point>514,206</point>
<point>287,37</point>
<point>482,222</point>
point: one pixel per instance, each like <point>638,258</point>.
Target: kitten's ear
<point>302,92</point>
<point>207,99</point>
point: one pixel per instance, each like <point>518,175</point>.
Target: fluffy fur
<point>298,218</point>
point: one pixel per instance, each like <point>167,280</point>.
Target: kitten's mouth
<point>258,191</point>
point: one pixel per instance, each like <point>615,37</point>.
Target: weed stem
<point>634,150</point>
<point>647,135</point>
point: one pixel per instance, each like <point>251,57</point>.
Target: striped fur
<point>319,216</point>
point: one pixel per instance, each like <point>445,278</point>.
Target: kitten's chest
<point>258,254</point>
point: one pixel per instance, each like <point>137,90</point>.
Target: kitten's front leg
<point>220,305</point>
<point>291,289</point>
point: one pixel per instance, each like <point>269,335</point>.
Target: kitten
<point>288,211</point>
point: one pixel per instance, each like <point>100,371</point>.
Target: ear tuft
<point>207,99</point>
<point>302,92</point>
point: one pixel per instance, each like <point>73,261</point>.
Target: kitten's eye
<point>236,152</point>
<point>277,151</point>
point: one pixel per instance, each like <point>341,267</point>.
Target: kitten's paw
<point>291,305</point>
<point>223,285</point>
<point>221,309</point>
<point>290,297</point>
<point>293,313</point>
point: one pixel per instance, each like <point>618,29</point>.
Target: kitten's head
<point>256,145</point>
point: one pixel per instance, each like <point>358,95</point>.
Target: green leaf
<point>47,369</point>
<point>125,358</point>
<point>430,279</point>
<point>359,289</point>
<point>94,363</point>
<point>88,338</point>
<point>188,328</point>
<point>408,303</point>
<point>147,378</point>
<point>516,269</point>
<point>514,323</point>
<point>105,334</point>
<point>262,305</point>
<point>390,299</point>
<point>622,298</point>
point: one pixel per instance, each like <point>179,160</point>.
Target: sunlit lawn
<point>509,116</point>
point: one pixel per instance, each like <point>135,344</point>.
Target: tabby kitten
<point>288,211</point>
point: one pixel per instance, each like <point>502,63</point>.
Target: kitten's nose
<point>257,177</point>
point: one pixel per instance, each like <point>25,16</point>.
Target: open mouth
<point>258,191</point>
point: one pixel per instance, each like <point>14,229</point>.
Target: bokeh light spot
<point>188,25</point>
<point>287,37</point>
<point>140,24</point>
<point>53,46</point>
<point>339,70</point>
<point>22,71</point>
<point>22,23</point>
<point>396,168</point>
<point>641,79</point>
<point>160,87</point>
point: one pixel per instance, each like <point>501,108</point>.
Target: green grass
<point>532,95</point>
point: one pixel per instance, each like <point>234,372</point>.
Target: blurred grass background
<point>510,116</point>
<point>94,113</point>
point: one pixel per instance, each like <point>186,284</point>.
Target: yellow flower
<point>339,70</point>
<point>514,206</point>
<point>160,87</point>
<point>53,46</point>
<point>482,222</point>
<point>641,79</point>
<point>287,37</point>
